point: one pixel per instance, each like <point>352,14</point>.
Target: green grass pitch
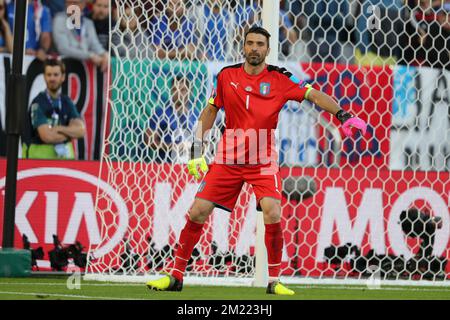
<point>57,289</point>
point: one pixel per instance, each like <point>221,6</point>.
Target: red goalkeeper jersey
<point>252,104</point>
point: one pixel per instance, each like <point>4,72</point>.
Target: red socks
<point>188,239</point>
<point>273,239</point>
<point>192,231</point>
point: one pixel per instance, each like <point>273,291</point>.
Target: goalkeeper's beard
<point>255,60</point>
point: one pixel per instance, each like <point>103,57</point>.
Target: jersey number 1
<point>247,102</point>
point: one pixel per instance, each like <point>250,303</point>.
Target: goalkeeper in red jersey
<point>252,95</point>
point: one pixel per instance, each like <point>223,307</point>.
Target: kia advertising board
<point>361,207</point>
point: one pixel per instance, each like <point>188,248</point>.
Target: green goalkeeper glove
<point>197,160</point>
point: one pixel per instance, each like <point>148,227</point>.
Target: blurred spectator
<point>214,23</point>
<point>417,15</point>
<point>54,119</point>
<point>288,36</point>
<point>378,26</point>
<point>437,40</point>
<point>6,37</point>
<point>172,34</point>
<point>370,11</point>
<point>302,11</point>
<point>130,40</point>
<point>55,6</point>
<point>249,13</point>
<point>327,24</point>
<point>154,8</point>
<point>422,13</point>
<point>79,43</point>
<point>411,52</point>
<point>39,28</point>
<point>171,127</point>
<point>89,6</point>
<point>100,17</point>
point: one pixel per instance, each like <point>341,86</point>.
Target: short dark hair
<point>55,63</point>
<point>258,30</point>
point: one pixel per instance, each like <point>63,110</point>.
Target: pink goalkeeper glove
<point>348,121</point>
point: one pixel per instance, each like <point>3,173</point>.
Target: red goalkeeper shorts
<point>222,184</point>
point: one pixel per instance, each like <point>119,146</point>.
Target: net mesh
<point>352,208</point>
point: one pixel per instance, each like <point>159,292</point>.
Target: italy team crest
<point>264,88</point>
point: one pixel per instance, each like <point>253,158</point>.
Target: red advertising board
<point>350,205</point>
<point>362,207</point>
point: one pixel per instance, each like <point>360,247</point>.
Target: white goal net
<point>352,207</point>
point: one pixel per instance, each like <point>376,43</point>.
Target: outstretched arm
<point>323,100</point>
<point>327,103</point>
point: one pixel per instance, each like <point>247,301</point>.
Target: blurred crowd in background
<point>377,32</point>
<point>48,35</point>
<point>364,32</point>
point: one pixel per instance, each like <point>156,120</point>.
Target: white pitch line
<point>63,295</point>
<point>82,284</point>
<point>360,288</point>
<point>293,286</point>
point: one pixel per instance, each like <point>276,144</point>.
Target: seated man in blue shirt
<point>53,119</point>
<point>172,34</point>
<point>79,43</point>
<point>171,127</point>
<point>39,28</point>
